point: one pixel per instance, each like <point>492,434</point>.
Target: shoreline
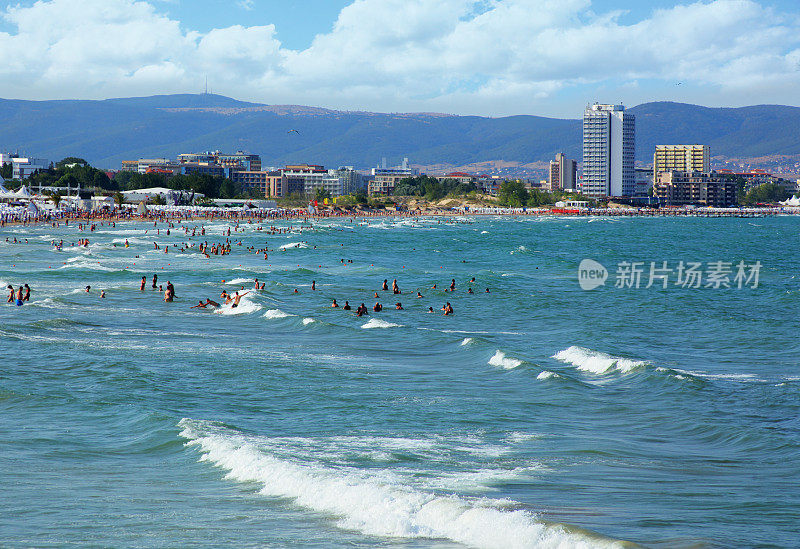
<point>266,216</point>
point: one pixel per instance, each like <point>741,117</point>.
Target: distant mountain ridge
<point>109,131</point>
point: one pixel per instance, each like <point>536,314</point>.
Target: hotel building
<point>609,138</point>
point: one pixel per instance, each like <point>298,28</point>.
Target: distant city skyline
<point>492,58</point>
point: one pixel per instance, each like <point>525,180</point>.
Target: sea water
<point>538,415</point>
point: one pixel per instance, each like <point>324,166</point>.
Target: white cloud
<point>487,56</point>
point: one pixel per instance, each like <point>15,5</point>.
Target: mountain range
<point>108,131</point>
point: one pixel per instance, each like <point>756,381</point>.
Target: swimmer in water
<point>433,287</point>
<point>237,298</point>
<point>453,285</point>
<point>487,290</point>
<point>88,289</point>
<point>334,304</point>
<point>295,291</point>
<point>419,295</point>
<point>398,306</point>
<point>469,291</point>
<point>448,309</point>
<point>19,300</point>
<point>385,286</point>
<point>27,293</point>
<point>377,307</point>
<point>347,306</point>
<point>102,294</point>
<point>144,281</point>
<point>430,309</point>
<point>10,293</point>
<point>376,295</point>
<point>313,284</point>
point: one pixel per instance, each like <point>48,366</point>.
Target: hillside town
<point>677,175</point>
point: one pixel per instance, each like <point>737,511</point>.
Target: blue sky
<point>488,57</point>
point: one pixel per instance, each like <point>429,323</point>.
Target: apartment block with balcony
<point>384,180</point>
<point>674,188</point>
<point>681,158</point>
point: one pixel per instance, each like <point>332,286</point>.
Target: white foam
<point>467,341</point>
<point>239,281</point>
<point>378,323</point>
<point>307,321</point>
<point>372,503</point>
<point>595,361</point>
<point>501,360</point>
<point>547,374</point>
<point>276,313</point>
<point>739,378</point>
<point>246,306</point>
<point>293,245</point>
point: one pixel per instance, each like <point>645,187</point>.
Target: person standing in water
<point>144,281</point>
<point>155,281</point>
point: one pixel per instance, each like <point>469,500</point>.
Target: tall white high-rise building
<point>609,139</point>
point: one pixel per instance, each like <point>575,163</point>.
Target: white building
<point>307,178</point>
<point>609,139</point>
<point>349,179</point>
<point>26,167</point>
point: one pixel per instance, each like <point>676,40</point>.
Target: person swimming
<point>469,291</point>
<point>453,285</point>
<point>237,298</point>
<point>398,306</point>
<point>448,309</point>
<point>10,293</point>
<point>347,306</point>
<point>334,304</point>
<point>144,281</point>
<point>419,295</point>
<point>88,289</point>
<point>377,307</point>
<point>385,286</point>
<point>102,294</point>
<point>27,296</point>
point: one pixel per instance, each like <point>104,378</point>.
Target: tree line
<point>75,172</point>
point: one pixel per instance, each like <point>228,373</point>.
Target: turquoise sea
<point>538,415</point>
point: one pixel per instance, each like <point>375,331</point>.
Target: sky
<point>482,57</point>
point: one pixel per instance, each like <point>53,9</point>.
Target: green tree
<point>158,200</point>
<point>768,193</point>
<point>55,198</point>
<point>61,164</point>
<point>68,180</point>
<point>513,193</point>
<point>7,171</point>
<point>119,198</point>
<point>321,194</point>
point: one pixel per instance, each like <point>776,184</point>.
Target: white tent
<point>23,192</point>
<point>794,202</point>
